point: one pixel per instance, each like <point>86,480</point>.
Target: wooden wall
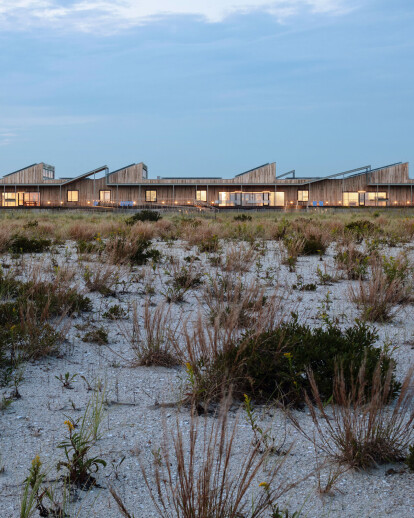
<point>329,191</point>
<point>32,174</point>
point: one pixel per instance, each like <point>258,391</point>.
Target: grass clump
<point>135,251</point>
<point>359,431</point>
<point>274,364</point>
<point>97,336</point>
<point>195,474</point>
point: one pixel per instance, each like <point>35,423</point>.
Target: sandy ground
<point>132,426</point>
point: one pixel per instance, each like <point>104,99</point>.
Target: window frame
<point>77,196</point>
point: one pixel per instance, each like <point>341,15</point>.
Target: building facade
<point>37,186</point>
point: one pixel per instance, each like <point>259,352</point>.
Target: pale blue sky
<point>215,87</point>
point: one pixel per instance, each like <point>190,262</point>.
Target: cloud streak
<point>115,15</point>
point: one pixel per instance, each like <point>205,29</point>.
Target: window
<point>303,195</point>
<point>151,196</point>
<point>48,172</point>
<point>9,199</point>
<point>31,199</point>
<point>350,199</point>
<point>201,195</point>
<point>105,196</point>
<point>73,195</point>
<point>376,199</point>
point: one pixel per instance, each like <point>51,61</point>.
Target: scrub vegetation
<point>295,324</point>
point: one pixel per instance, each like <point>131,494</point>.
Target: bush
<point>27,245</point>
<point>134,251</point>
<point>209,244</point>
<point>360,228</point>
<point>144,215</point>
<point>313,245</point>
<point>98,336</point>
<point>242,217</point>
<point>353,262</point>
<point>274,364</point>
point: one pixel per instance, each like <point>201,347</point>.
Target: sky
<point>206,87</point>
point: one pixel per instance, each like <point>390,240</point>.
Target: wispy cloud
<point>115,15</point>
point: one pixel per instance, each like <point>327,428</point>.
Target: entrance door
<point>361,199</point>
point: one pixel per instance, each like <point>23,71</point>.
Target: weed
<point>98,336</point>
<point>115,312</point>
<point>66,380</point>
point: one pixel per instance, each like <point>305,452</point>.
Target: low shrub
<point>242,217</point>
<point>209,244</point>
<point>115,312</point>
<point>274,364</point>
<point>136,251</point>
<point>313,245</point>
<point>353,262</point>
<point>28,245</point>
<point>360,228</point>
<point>144,215</point>
<point>97,336</point>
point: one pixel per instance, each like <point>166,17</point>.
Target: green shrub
<point>209,244</point>
<point>360,228</point>
<point>242,217</point>
<point>98,336</point>
<point>313,245</point>
<point>353,262</point>
<point>27,245</point>
<point>144,215</point>
<point>115,312</point>
<point>275,364</point>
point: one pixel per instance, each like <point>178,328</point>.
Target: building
<point>36,186</point>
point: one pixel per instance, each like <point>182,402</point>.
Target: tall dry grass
<point>362,432</point>
<point>197,475</point>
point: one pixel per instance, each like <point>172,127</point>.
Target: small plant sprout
<point>66,380</point>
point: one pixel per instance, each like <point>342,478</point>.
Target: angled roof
<point>85,175</point>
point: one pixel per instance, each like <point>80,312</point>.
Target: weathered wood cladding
<point>130,174</point>
<point>128,187</point>
<point>32,174</point>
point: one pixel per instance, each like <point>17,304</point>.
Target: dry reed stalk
<point>360,432</point>
<point>380,298</point>
<point>152,343</point>
<point>196,476</point>
<point>239,258</point>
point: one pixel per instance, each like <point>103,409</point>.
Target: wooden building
<point>36,186</point>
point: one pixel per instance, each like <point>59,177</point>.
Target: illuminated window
<point>151,196</point>
<point>201,195</point>
<point>303,195</point>
<point>9,199</point>
<point>73,195</point>
<point>350,199</point>
<point>105,196</point>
